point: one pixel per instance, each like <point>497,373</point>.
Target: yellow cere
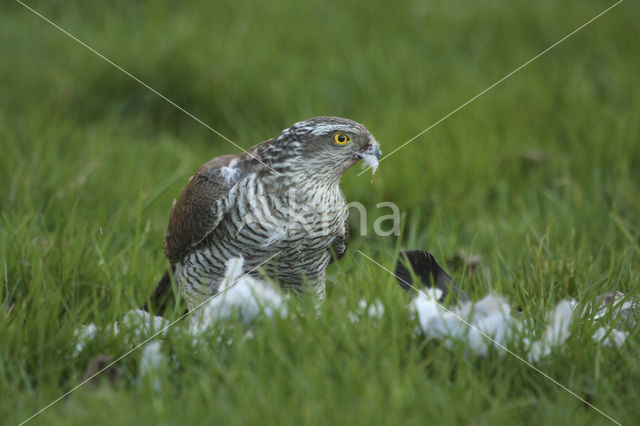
<point>341,138</point>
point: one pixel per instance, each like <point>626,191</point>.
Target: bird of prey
<point>281,197</point>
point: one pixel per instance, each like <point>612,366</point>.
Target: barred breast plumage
<point>281,197</point>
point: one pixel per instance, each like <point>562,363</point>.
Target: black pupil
<point>341,138</point>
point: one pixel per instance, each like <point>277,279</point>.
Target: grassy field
<point>90,161</point>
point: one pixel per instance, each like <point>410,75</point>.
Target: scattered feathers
<point>491,316</point>
<point>247,298</point>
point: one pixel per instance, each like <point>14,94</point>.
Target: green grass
<point>90,161</point>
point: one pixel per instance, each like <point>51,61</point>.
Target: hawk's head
<point>324,145</point>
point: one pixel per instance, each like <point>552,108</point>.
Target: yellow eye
<point>341,138</point>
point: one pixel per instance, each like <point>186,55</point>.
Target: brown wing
<point>200,208</point>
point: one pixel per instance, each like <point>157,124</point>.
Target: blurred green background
<point>539,176</point>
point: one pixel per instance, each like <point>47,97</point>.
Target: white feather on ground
<point>617,304</point>
<point>240,295</point>
<point>555,334</point>
<point>373,310</point>
<point>611,337</point>
<point>142,323</point>
<point>152,361</point>
<point>83,335</point>
<point>136,323</point>
<point>492,316</point>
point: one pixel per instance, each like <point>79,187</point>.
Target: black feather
<point>425,267</point>
<point>165,298</point>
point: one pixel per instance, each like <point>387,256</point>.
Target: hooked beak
<point>370,149</point>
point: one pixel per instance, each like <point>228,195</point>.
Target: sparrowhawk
<point>281,196</point>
